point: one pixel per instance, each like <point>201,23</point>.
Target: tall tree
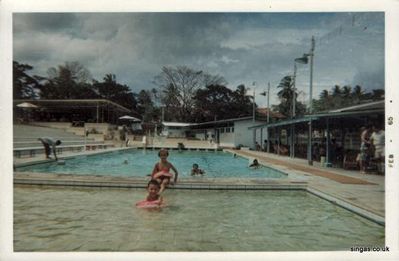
<point>146,106</point>
<point>286,95</point>
<point>357,94</point>
<point>110,89</point>
<point>217,102</point>
<point>345,96</point>
<point>67,81</point>
<point>24,85</point>
<point>178,86</point>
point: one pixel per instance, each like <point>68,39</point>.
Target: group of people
<point>372,148</point>
<point>161,178</point>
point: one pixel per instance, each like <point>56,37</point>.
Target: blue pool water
<point>141,162</point>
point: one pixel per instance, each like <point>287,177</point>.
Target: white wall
<point>174,133</point>
<point>261,135</point>
<point>242,135</point>
<point>226,139</point>
<point>200,136</point>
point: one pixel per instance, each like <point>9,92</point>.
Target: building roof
<point>177,124</point>
<point>225,120</point>
<point>364,106</point>
<point>358,110</point>
<point>78,103</point>
<point>272,114</point>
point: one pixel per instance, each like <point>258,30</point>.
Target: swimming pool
<point>140,163</point>
<point>65,219</point>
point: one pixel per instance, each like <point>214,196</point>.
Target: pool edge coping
<point>192,186</point>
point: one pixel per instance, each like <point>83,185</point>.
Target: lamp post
<point>268,112</point>
<point>293,91</point>
<point>311,54</point>
<point>304,60</point>
<point>253,116</point>
<point>253,104</point>
<point>292,148</point>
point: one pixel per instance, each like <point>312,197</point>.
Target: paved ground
<point>363,191</point>
<point>366,191</point>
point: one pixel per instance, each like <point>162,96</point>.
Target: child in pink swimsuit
<point>153,199</point>
<point>161,170</point>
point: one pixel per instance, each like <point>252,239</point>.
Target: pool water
<point>66,219</point>
<point>140,163</point>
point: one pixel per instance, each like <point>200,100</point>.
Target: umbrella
<point>27,105</point>
<point>127,117</point>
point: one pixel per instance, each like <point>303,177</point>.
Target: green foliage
<point>178,86</point>
<point>146,107</point>
<point>68,81</point>
<point>286,95</point>
<point>24,85</point>
<point>219,102</point>
<point>343,97</point>
<point>111,90</point>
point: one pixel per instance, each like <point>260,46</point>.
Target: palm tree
<point>285,95</point>
<point>346,95</point>
<point>357,94</point>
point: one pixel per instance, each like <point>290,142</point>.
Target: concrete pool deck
<point>361,193</point>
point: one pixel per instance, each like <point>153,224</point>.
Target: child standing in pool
<point>153,198</point>
<point>161,170</point>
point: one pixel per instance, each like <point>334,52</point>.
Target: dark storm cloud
<point>44,22</point>
<point>242,47</point>
<point>370,80</point>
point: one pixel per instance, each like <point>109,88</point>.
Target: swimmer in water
<point>196,170</point>
<point>255,164</point>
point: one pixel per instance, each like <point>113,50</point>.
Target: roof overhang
<point>80,103</point>
<point>314,117</point>
<point>177,124</point>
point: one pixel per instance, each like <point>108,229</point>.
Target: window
<point>221,130</point>
<point>227,130</point>
<point>232,129</point>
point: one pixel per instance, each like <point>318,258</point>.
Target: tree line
<point>337,97</point>
<point>182,94</point>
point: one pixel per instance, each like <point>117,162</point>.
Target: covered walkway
<point>73,110</point>
<point>335,134</point>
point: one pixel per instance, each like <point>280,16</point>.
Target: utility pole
<point>292,147</point>
<point>268,116</point>
<point>311,54</point>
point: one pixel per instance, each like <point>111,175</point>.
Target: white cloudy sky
<point>242,47</point>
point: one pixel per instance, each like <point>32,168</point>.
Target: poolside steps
<point>36,143</point>
<point>29,131</point>
<point>97,130</point>
<point>26,143</point>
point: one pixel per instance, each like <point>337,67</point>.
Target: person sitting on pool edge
<point>255,164</point>
<point>161,170</point>
<point>196,170</point>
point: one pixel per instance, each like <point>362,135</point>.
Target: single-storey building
<point>226,133</point>
<point>332,129</point>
